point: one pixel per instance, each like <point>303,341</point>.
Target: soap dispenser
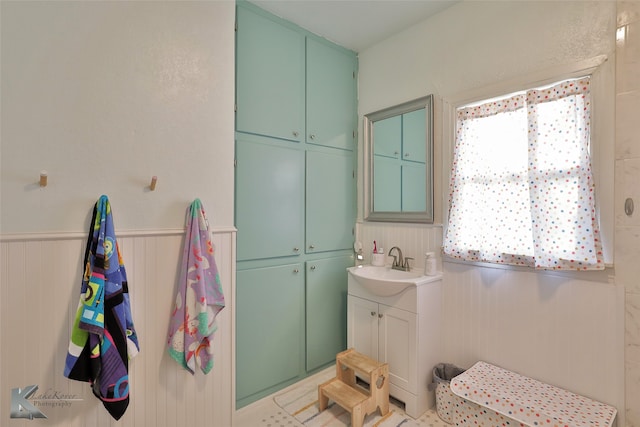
<point>430,268</point>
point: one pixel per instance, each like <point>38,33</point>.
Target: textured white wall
<point>104,95</point>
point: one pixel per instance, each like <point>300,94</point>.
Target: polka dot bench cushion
<point>499,397</point>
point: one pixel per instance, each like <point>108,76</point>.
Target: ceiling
<point>355,24</point>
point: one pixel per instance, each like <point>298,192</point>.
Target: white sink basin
<point>384,281</point>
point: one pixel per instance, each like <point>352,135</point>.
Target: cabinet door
<point>362,326</point>
<point>331,96</point>
<point>326,309</point>
<point>414,187</point>
<point>387,140</point>
<point>397,340</point>
<point>269,200</point>
<point>269,328</point>
<point>414,136</point>
<point>387,184</point>
<point>331,199</point>
<point>269,77</point>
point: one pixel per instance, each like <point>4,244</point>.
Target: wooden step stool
<point>343,390</point>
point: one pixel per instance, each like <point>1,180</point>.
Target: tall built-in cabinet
<point>295,200</point>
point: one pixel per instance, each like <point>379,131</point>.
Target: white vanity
<point>394,317</point>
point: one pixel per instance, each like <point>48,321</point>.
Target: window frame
<point>602,147</point>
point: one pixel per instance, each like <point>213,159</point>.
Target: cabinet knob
<point>296,249</point>
<point>395,153</point>
<point>313,267</point>
<point>406,155</point>
<point>312,247</point>
<point>312,137</point>
<point>295,270</point>
<point>373,313</point>
<point>295,133</point>
<point>379,315</point>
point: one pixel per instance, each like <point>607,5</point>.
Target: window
<point>521,190</point>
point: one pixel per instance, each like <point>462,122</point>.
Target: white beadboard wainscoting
<point>413,239</point>
<point>40,287</point>
<point>566,328</point>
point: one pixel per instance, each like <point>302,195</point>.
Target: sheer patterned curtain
<point>521,190</point>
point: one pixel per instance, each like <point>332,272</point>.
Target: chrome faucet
<point>399,263</point>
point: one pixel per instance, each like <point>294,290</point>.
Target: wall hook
<point>43,178</point>
<point>152,186</point>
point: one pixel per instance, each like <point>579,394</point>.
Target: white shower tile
<point>628,12</point>
<point>628,58</point>
<point>632,394</point>
<point>627,135</point>
<point>627,176</point>
<point>627,254</point>
<point>632,328</point>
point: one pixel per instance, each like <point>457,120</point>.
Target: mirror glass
<point>399,162</point>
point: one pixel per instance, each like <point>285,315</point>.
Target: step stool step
<point>341,393</point>
<point>364,365</point>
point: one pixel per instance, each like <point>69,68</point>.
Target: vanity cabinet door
<point>269,200</point>
<point>362,326</point>
<point>270,77</point>
<point>397,346</point>
<point>269,328</point>
<point>326,298</point>
<point>331,200</point>
<point>331,96</point>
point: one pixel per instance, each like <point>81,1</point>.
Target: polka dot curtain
<point>521,190</point>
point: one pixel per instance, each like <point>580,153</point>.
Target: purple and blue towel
<point>103,338</point>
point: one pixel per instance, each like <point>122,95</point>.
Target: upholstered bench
<point>493,396</point>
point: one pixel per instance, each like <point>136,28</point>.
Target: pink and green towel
<point>199,298</point>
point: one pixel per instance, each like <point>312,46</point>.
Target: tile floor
<point>266,413</point>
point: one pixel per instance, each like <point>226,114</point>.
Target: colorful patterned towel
<point>199,298</point>
<point>103,337</point>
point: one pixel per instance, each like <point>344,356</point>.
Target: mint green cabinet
<point>387,180</point>
<point>388,137</point>
<point>414,177</point>
<point>270,80</point>
<point>269,200</point>
<point>292,86</point>
<point>326,314</point>
<point>295,201</point>
<point>331,96</point>
<point>330,200</point>
<point>399,168</point>
<point>269,329</point>
<point>414,136</point>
